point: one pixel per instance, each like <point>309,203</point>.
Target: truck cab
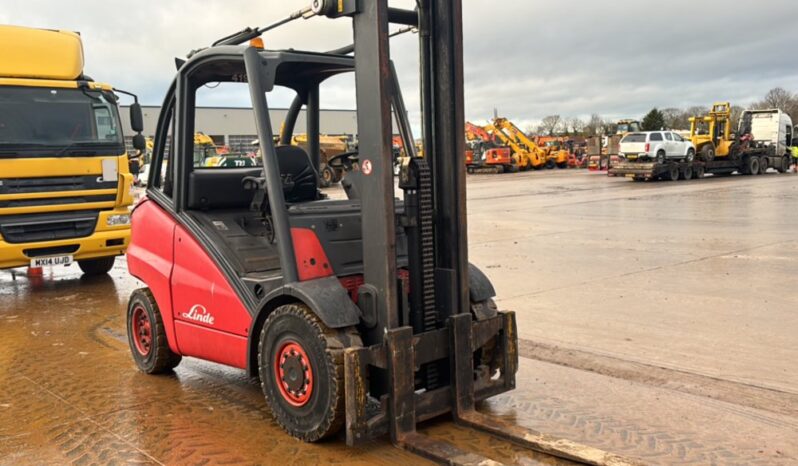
<point>65,179</point>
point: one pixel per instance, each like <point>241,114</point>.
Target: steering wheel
<point>343,161</point>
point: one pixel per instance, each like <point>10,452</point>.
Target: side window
<point>655,137</point>
<point>160,170</point>
<point>668,136</point>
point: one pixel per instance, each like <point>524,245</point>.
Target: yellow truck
<point>65,177</point>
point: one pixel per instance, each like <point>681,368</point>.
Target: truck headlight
<point>117,220</point>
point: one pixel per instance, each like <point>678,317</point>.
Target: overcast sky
<point>527,58</point>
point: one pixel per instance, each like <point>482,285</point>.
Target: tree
<point>674,118</point>
<point>549,124</point>
<point>778,98</point>
<point>594,126</point>
<point>654,121</point>
<point>575,126</point>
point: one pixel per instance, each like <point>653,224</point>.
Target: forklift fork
<point>402,408</point>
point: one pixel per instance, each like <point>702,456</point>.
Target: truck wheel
<point>707,153</point>
<point>327,176</point>
<point>301,367</point>
<point>661,156</point>
<point>690,156</point>
<point>751,166</point>
<point>99,266</point>
<point>698,172</point>
<point>673,172</point>
<point>784,166</point>
<point>763,165</point>
<point>146,335</point>
<point>551,164</point>
<point>687,174</point>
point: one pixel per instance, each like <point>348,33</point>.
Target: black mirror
<point>139,143</point>
<point>136,118</point>
<point>135,167</point>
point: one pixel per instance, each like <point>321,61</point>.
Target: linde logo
<point>198,313</point>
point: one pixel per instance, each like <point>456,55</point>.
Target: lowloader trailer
<point>359,316</point>
<point>764,141</point>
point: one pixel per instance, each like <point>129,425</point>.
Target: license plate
<point>51,260</point>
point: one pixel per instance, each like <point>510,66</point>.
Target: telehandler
<point>539,157</point>
<point>364,314</point>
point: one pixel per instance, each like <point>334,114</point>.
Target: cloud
<point>526,58</point>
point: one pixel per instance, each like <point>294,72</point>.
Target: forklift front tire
<point>301,367</point>
<point>99,266</point>
<point>146,335</point>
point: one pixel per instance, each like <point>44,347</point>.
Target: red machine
<point>362,314</point>
<point>483,153</point>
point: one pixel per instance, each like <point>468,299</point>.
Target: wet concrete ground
<point>657,321</point>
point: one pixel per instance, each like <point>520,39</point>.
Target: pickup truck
<point>658,146</point>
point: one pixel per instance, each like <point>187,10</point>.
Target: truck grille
<point>53,184</point>
<point>48,227</point>
<point>58,200</point>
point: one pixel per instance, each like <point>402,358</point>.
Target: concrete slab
<point>657,321</point>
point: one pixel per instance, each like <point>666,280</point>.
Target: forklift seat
<point>300,180</point>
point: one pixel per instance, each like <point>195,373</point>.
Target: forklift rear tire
<point>301,367</point>
<point>99,266</point>
<point>146,335</point>
<point>562,165</point>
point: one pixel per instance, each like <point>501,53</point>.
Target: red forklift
<point>360,315</point>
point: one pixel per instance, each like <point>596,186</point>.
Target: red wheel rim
<point>142,331</point>
<point>294,373</point>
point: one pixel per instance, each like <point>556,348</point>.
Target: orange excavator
<point>484,154</point>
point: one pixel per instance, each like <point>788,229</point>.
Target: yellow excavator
<point>204,149</point>
<point>208,155</point>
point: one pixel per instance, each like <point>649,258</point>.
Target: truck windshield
<point>58,122</point>
<point>628,127</point>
